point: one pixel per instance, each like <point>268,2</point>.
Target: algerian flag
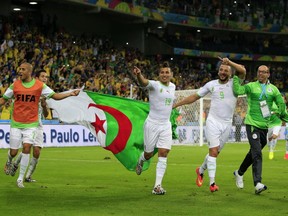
<point>116,122</point>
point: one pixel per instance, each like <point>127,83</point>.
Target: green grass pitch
<point>84,181</point>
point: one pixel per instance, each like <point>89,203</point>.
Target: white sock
<point>272,145</point>
<point>160,170</point>
<point>203,167</point>
<point>31,167</point>
<point>23,165</point>
<point>142,158</point>
<point>211,165</point>
<point>9,157</point>
<point>18,159</point>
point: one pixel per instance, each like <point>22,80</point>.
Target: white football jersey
<point>223,100</point>
<point>40,114</point>
<point>161,99</point>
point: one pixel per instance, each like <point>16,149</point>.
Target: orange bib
<point>26,102</point>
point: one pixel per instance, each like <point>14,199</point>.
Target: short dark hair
<point>37,74</point>
<point>165,64</point>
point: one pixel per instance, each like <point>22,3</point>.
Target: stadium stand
<point>98,60</point>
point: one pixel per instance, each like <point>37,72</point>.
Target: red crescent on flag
<point>125,128</point>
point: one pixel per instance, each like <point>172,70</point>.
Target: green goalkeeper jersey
<point>257,92</point>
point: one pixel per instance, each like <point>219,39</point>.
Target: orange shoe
<point>214,187</point>
<point>199,179</point>
<point>286,156</point>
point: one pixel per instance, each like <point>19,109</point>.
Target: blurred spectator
<point>4,87</point>
<point>6,110</point>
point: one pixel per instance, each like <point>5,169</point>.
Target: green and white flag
<point>116,122</point>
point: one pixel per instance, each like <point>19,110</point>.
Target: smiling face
<point>25,72</point>
<point>43,77</point>
<point>263,74</point>
<point>224,73</point>
<point>165,75</point>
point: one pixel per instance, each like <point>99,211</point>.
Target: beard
<point>224,79</point>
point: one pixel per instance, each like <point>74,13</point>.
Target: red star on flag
<point>98,124</point>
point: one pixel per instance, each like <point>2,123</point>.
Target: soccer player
<point>274,129</point>
<point>43,113</point>
<point>157,127</point>
<point>272,135</point>
<point>26,92</point>
<point>260,95</point>
<point>286,131</point>
<point>219,120</point>
<point>286,138</point>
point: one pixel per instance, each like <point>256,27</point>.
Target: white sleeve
<point>47,92</point>
<point>204,90</point>
<point>8,93</point>
<point>151,84</point>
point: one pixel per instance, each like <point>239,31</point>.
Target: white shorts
<point>217,132</point>
<point>39,137</point>
<point>157,135</point>
<point>274,130</point>
<point>19,135</point>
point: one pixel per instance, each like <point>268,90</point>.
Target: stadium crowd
<point>215,40</point>
<point>255,12</point>
<point>219,14</point>
<point>94,61</point>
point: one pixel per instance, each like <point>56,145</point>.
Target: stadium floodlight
<point>33,3</point>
